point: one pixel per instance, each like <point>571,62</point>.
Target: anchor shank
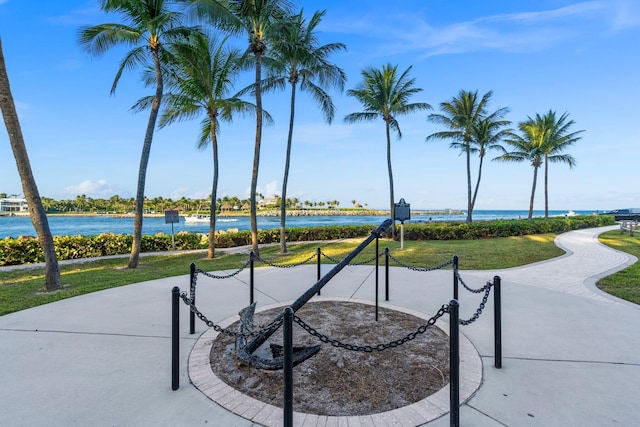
<point>304,298</point>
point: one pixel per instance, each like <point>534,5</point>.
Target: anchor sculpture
<point>246,351</point>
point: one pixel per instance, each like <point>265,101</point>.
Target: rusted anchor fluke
<point>276,359</point>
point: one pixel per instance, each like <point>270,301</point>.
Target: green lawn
<point>24,288</point>
<point>626,283</point>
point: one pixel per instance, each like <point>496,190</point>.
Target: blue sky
<point>582,57</point>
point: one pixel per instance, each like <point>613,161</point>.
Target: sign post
<point>171,216</point>
<point>402,213</point>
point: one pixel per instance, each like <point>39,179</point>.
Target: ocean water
<point>16,226</point>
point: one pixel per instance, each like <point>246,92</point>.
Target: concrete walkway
<point>571,354</point>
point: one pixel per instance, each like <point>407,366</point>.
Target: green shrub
<point>27,250</point>
<point>501,228</point>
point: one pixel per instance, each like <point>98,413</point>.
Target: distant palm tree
<point>80,202</point>
<point>29,187</point>
<point>148,25</point>
<point>385,94</point>
<point>298,58</point>
<point>460,115</point>
<point>558,139</point>
<point>115,201</point>
<point>201,83</point>
<point>528,146</point>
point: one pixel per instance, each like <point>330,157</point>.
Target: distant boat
<point>197,219</point>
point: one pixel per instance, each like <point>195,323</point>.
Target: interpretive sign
<point>171,216</point>
<point>402,211</point>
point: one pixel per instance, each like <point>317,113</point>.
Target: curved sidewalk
<point>571,356</point>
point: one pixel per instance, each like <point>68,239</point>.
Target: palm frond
<point>360,117</point>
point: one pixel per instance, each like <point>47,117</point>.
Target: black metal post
<point>251,257</point>
<point>377,239</point>
<point>192,285</point>
<point>313,290</point>
<point>319,269</point>
<point>386,274</point>
<point>455,277</point>
<point>287,329</point>
<point>497,321</point>
<point>454,364</point>
<point>175,338</point>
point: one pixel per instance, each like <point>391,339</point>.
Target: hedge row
<point>501,228</point>
<point>27,250</point>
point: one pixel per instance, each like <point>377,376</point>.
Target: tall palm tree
<point>298,58</point>
<point>488,132</point>
<point>528,146</point>
<point>385,93</point>
<point>558,139</point>
<point>148,25</point>
<point>205,71</point>
<point>258,19</point>
<point>460,115</point>
<point>29,187</point>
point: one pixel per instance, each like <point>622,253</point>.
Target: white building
<point>13,205</point>
<point>269,201</point>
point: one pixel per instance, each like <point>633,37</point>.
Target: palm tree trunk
<point>533,191</point>
<point>144,161</point>
<point>256,157</point>
<point>285,179</point>
<point>391,197</point>
<point>214,192</point>
<point>475,191</point>
<point>469,205</point>
<point>546,186</point>
<point>36,210</point>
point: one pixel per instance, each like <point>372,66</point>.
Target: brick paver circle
<point>423,411</point>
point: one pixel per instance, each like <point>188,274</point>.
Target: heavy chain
<point>478,312</point>
<point>336,261</point>
<point>333,260</point>
<point>366,261</point>
<point>422,269</point>
<point>273,326</point>
<point>193,283</point>
<point>224,276</point>
<point>272,264</point>
<point>475,291</point>
<point>367,348</point>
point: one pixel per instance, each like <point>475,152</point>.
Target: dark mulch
<point>339,382</point>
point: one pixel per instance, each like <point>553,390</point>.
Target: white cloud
<point>95,189</point>
<point>267,191</point>
<point>511,32</point>
<point>626,15</point>
<point>178,193</point>
<point>577,10</point>
<point>78,16</point>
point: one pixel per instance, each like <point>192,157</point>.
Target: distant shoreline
<point>267,213</point>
